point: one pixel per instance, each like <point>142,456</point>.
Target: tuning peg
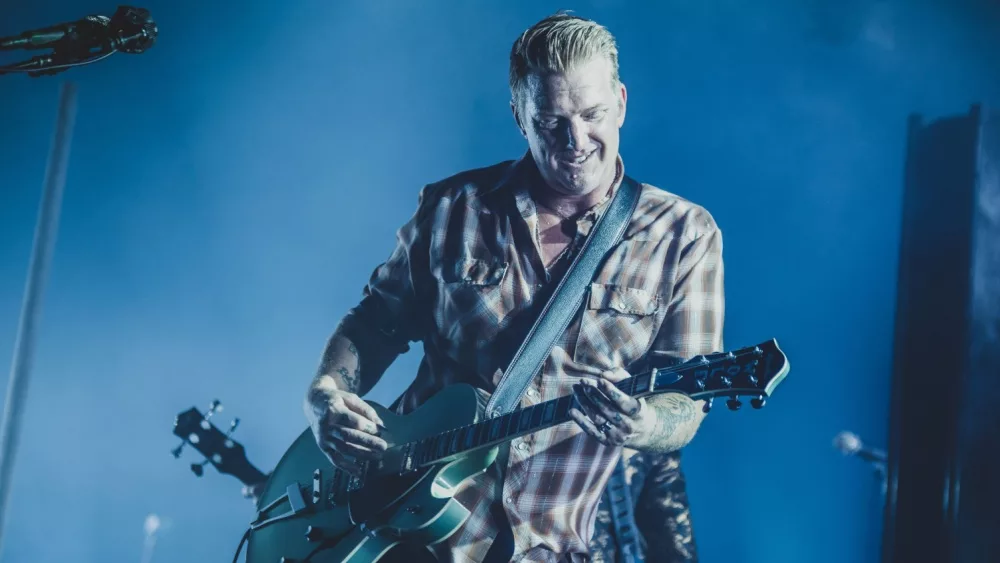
<point>232,427</point>
<point>177,451</point>
<point>198,468</point>
<point>734,404</point>
<point>708,404</point>
<point>752,379</point>
<point>758,402</point>
<point>726,380</point>
<point>213,408</point>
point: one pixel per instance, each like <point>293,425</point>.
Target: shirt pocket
<point>471,305</point>
<point>617,325</point>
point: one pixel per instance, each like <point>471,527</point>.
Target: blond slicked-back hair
<point>556,44</point>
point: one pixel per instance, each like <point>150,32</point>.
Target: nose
<point>576,134</point>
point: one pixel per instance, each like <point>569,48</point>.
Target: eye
<point>595,115</point>
<point>548,123</point>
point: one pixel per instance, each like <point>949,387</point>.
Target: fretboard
<point>520,422</point>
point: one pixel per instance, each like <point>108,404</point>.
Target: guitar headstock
<point>219,449</point>
<point>754,371</point>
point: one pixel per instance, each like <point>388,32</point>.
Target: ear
<point>622,103</point>
<point>517,119</point>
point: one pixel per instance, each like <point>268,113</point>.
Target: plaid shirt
<point>465,278</point>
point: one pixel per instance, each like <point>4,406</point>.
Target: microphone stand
<point>31,307</point>
<point>54,63</point>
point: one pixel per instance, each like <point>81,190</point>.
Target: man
<point>463,279</point>
<point>661,513</point>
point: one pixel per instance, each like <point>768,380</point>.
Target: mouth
<point>576,159</point>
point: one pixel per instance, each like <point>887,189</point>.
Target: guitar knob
<point>708,404</point>
<point>758,402</point>
<point>314,534</point>
<point>734,404</point>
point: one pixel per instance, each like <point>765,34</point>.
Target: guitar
<point>309,510</point>
<point>225,454</point>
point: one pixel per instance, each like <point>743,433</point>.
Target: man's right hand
<point>346,428</point>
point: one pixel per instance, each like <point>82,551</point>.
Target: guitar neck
<point>504,428</point>
<point>753,371</point>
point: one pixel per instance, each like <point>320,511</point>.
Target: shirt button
<point>532,393</point>
<point>522,446</point>
<point>509,500</point>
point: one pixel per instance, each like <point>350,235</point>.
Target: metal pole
<point>41,257</point>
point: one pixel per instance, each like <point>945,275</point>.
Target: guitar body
<point>362,525</point>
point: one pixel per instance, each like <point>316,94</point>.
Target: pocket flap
<point>627,300</point>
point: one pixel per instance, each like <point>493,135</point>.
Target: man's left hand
<point>608,414</point>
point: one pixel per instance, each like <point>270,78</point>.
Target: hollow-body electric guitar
<point>311,511</point>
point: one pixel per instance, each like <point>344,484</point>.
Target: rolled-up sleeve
<point>394,309</point>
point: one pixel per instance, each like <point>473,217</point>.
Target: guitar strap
<point>560,309</point>
<point>619,497</point>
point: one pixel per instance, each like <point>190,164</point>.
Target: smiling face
<point>571,121</point>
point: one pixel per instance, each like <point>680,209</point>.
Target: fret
<point>495,426</point>
<point>481,430</point>
<point>509,423</point>
<point>419,452</point>
<point>470,436</point>
<point>453,443</point>
<point>526,419</point>
<point>431,448</point>
<point>642,383</point>
<point>511,428</point>
<point>550,412</point>
<point>428,449</point>
<point>563,405</point>
<point>536,415</point>
<point>440,445</point>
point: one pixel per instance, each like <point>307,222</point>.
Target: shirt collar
<point>523,171</point>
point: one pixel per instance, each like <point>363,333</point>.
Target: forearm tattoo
<point>342,362</point>
<point>676,422</point>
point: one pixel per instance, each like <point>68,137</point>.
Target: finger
<point>358,441</point>
<point>625,402</point>
<point>588,426</point>
<point>621,425</point>
<point>351,419</point>
<point>616,375</point>
<point>357,405</point>
<point>601,404</point>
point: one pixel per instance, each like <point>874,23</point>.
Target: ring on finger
<point>605,426</point>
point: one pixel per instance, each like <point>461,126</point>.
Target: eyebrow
<point>587,110</point>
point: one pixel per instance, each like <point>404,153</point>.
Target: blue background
<point>230,191</point>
